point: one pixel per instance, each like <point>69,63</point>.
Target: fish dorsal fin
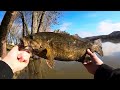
<point>61,32</point>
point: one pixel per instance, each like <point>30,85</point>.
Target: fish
<point>59,46</point>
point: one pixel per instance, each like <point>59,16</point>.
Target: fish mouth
<point>100,52</point>
<point>21,44</point>
<point>22,47</point>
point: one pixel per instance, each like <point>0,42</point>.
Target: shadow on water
<point>72,70</point>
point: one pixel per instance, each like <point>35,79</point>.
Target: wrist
<point>8,63</point>
<point>5,71</point>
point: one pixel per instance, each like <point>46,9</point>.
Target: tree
<point>13,34</point>
<point>5,26</point>
<point>50,18</point>
<point>20,27</point>
<point>25,26</point>
<point>41,21</point>
<point>17,24</point>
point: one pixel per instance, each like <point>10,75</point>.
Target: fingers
<point>23,56</point>
<point>13,52</point>
<point>94,57</point>
<point>15,48</point>
<point>90,53</point>
<point>87,62</point>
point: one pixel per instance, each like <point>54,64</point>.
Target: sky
<point>87,23</point>
<point>1,15</point>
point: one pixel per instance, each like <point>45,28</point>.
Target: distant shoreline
<point>113,37</point>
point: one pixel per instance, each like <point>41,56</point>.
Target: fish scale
<point>59,46</point>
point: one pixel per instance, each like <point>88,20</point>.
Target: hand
<point>95,62</point>
<point>16,59</point>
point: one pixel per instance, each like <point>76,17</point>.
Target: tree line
<point>17,24</point>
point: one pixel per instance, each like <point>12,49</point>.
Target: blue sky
<point>87,23</point>
<point>1,15</point>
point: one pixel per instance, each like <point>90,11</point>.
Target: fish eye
<point>40,46</point>
<point>100,47</point>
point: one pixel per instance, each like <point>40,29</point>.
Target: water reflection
<point>110,48</point>
<point>111,54</point>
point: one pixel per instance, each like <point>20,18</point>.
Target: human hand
<point>16,59</point>
<point>95,62</point>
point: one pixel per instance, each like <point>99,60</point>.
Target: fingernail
<point>88,50</point>
<point>84,63</point>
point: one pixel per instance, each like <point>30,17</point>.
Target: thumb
<point>94,57</point>
<point>13,52</point>
<point>21,65</point>
<point>15,49</point>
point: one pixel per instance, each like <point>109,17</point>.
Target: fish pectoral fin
<point>50,63</point>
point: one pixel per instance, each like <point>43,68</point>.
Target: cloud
<point>103,28</point>
<point>85,34</point>
<point>107,26</point>
<point>65,26</point>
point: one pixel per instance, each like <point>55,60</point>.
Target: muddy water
<point>75,70</point>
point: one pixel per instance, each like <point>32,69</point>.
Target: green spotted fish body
<point>57,46</point>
